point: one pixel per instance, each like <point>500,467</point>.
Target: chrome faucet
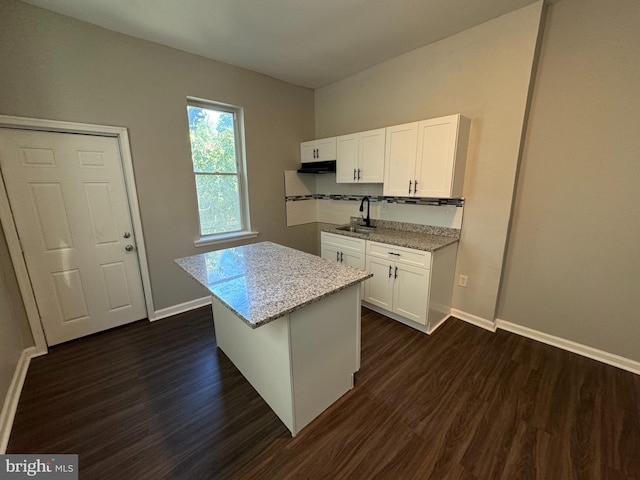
<point>367,221</point>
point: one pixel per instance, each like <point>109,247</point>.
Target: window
<point>215,132</point>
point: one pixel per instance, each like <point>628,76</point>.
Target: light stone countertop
<point>264,281</point>
<point>420,237</point>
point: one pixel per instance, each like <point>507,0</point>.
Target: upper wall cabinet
<point>360,157</point>
<point>426,158</point>
<point>318,150</point>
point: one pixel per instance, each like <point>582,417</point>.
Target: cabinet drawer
<point>344,243</point>
<point>407,256</point>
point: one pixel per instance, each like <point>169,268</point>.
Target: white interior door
<point>69,201</point>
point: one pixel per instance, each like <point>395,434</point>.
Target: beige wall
<point>15,334</point>
<point>58,68</point>
<point>483,73</point>
<point>573,263</point>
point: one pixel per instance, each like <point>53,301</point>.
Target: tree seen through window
<point>215,164</point>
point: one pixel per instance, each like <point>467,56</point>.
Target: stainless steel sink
<point>356,229</point>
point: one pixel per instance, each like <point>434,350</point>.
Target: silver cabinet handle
<point>337,256</point>
<point>415,186</point>
<point>354,173</point>
<point>393,253</point>
<point>128,248</point>
<point>389,271</point>
<point>396,274</point>
<point>409,186</point>
<point>341,255</point>
<point>358,174</point>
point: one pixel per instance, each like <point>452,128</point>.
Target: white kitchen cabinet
<point>426,158</point>
<point>400,159</point>
<point>348,250</point>
<point>400,282</point>
<point>342,249</point>
<point>411,286</point>
<point>360,157</point>
<point>378,290</point>
<point>318,150</point>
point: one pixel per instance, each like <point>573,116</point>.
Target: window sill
<point>223,237</point>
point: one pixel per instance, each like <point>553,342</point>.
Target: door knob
<point>126,234</point>
<point>128,248</point>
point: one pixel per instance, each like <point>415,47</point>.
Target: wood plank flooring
<point>159,401</point>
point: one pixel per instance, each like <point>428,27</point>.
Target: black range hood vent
<point>318,167</point>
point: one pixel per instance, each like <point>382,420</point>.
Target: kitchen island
<point>288,320</point>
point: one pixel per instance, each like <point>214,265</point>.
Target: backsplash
<point>317,198</point>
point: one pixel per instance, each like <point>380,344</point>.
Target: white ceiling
<point>305,42</point>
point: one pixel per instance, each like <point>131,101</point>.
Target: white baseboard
<point>584,350</point>
<point>13,395</point>
<point>438,324</point>
<point>474,320</point>
<point>180,308</point>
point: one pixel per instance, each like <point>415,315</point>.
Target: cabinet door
<point>353,259</point>
<point>330,252</point>
<point>435,159</point>
<point>411,292</point>
<point>442,156</point>
<point>308,152</point>
<point>347,158</point>
<point>326,149</point>
<point>371,156</point>
<point>378,290</point>
<point>400,159</point>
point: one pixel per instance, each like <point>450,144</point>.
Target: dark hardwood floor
<point>159,401</point>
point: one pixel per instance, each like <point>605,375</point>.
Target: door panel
<point>37,156</point>
<point>69,200</point>
<point>436,150</point>
<point>50,213</point>
<point>411,293</point>
<point>371,156</point>
<point>353,259</point>
<point>101,212</point>
<point>70,295</point>
<point>115,281</point>
<point>378,289</point>
<point>347,158</point>
<point>400,159</point>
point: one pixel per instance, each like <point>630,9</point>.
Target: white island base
<point>300,363</point>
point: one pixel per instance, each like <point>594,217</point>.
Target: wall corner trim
<point>474,320</point>
<point>584,350</point>
<point>13,396</point>
<point>180,308</point>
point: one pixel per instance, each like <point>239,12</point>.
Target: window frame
<point>241,173</point>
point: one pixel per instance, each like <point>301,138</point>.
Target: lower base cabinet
<point>412,286</point>
<point>398,288</point>
<point>347,250</point>
<point>400,282</point>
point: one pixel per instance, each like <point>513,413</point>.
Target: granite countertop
<point>264,281</point>
<point>420,237</point>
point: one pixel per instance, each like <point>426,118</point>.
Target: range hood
<point>318,167</point>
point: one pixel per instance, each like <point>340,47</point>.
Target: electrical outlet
<point>462,280</point>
